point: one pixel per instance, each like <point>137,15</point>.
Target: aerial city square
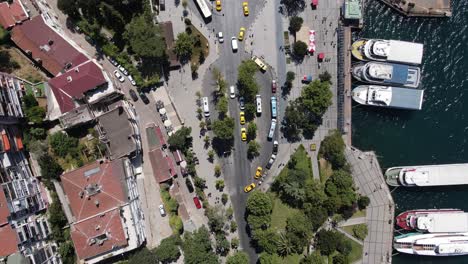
<point>237,132</point>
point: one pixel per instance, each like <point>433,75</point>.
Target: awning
<point>321,56</point>
<point>162,111</point>
<point>167,123</point>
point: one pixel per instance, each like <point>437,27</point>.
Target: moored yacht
<point>386,96</point>
<point>388,50</point>
<point>428,175</point>
<point>441,244</point>
<point>434,220</point>
<point>387,74</point>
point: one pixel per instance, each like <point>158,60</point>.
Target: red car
<point>197,203</point>
<point>273,86</point>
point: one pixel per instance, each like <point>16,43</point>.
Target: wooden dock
<point>347,86</point>
<point>421,8</point>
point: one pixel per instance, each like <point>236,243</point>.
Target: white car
<point>161,210</point>
<point>232,92</point>
<point>119,76</point>
<point>271,161</point>
<point>220,37</point>
<point>259,104</point>
<point>123,70</point>
<point>132,81</point>
<point>234,44</point>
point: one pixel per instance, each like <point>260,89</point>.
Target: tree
<point>176,224</point>
<point>295,24</point>
<point>234,243</point>
<point>144,255</point>
<point>266,258</point>
<point>29,101</point>
<point>313,258</point>
<point>224,129</point>
<point>299,49</point>
<point>340,259</point>
<point>290,76</point>
<point>315,99</point>
<point>285,246</point>
<point>259,203</point>
<point>344,246</point>
<point>360,231</point>
<point>266,240</point>
<point>181,139</point>
<point>332,149</point>
<point>62,144</point>
<point>197,247</point>
<point>220,185</point>
<point>250,111</point>
<point>183,46</point>
<point>50,169</point>
<point>239,257</point>
<point>67,252</point>
<point>7,64</point>
<point>168,251</point>
<point>325,77</point>
<point>341,186</point>
<point>233,226</point>
<point>216,218</point>
<point>327,241</point>
<point>224,198</point>
<point>363,202</point>
<point>57,219</point>
<point>211,156</point>
<point>217,170</point>
<point>293,119</point>
<point>222,244</point>
<point>207,142</point>
<point>145,38</point>
<point>248,86</point>
<point>222,105</point>
<point>253,149</point>
<point>68,7</point>
<point>293,6</point>
<point>251,131</point>
<point>317,215</point>
<point>299,231</point>
<point>35,114</point>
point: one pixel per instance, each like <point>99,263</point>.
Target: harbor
<point>421,8</point>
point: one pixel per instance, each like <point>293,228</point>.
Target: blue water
<point>438,133</point>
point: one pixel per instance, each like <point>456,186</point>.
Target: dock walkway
<point>421,8</point>
<point>370,182</point>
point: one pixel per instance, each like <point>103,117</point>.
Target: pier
<point>421,8</point>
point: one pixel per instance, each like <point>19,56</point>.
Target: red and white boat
<point>434,220</point>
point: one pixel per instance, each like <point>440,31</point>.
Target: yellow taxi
<point>241,33</point>
<point>258,173</point>
<point>243,134</point>
<point>245,7</point>
<point>249,187</point>
<point>218,5</point>
<point>242,117</point>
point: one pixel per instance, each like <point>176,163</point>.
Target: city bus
<point>205,10</point>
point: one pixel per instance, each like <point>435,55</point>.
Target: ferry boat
<point>433,220</point>
<point>390,97</point>
<point>388,50</point>
<point>441,244</point>
<point>387,74</point>
<point>427,175</point>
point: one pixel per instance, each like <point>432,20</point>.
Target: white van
<point>206,108</point>
<point>234,44</point>
<point>272,129</point>
<point>232,92</point>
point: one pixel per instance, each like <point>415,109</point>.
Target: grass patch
<point>348,229</point>
<point>325,170</point>
<point>204,46</point>
<point>26,71</point>
<point>303,163</point>
<point>288,60</point>
<point>281,212</point>
<point>356,252</point>
<point>359,213</point>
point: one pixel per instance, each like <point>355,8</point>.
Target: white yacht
<point>387,74</point>
<point>388,50</point>
<point>386,96</point>
<point>441,244</point>
<point>428,175</point>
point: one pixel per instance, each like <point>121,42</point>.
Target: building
<point>12,14</point>
<point>46,47</point>
<point>352,12</point>
<point>169,39</point>
<point>69,94</point>
<point>102,205</point>
<point>22,200</point>
<point>11,92</point>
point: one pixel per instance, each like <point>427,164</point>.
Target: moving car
<point>197,203</point>
<point>259,103</point>
<point>232,92</point>
<point>161,210</point>
<point>258,173</point>
<point>133,95</point>
<point>218,5</point>
<point>241,103</point>
<point>273,86</point>
<point>144,98</point>
<point>271,161</point>
<point>242,117</point>
<point>119,76</point>
<point>123,70</point>
<point>220,37</point>
<point>275,147</point>
<point>132,81</point>
<point>271,133</point>
<point>249,187</point>
<point>206,107</point>
<point>234,44</point>
<point>243,134</point>
<point>241,33</point>
<point>245,7</point>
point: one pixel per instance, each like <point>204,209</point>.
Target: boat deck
<point>407,98</point>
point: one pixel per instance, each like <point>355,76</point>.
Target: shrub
<point>360,231</point>
<point>176,224</point>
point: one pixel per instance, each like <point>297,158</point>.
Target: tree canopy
<point>183,46</point>
<point>224,129</point>
<point>50,169</point>
<point>181,139</point>
<point>248,86</point>
<point>168,251</point>
<point>313,258</point>
<point>62,144</point>
<point>145,38</point>
<point>299,49</point>
<point>258,209</point>
<point>332,149</point>
<point>197,247</point>
<point>266,258</point>
<point>239,257</point>
<point>295,24</point>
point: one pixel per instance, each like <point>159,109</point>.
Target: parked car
<point>241,34</point>
<point>161,210</point>
<point>259,104</point>
<point>119,76</point>
<point>197,203</point>
<point>112,61</point>
<point>133,95</point>
<point>218,5</point>
<point>242,117</point>
<point>275,147</point>
<point>258,173</point>
<point>159,105</point>
<point>241,103</point>
<point>144,98</point>
<point>189,184</point>
<point>249,187</point>
<point>243,134</point>
<point>271,161</point>
<point>123,70</point>
<point>132,81</point>
<point>232,92</point>
<point>220,37</point>
<point>273,86</point>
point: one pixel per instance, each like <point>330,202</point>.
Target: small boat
<point>387,74</point>
<point>427,175</point>
<point>388,50</point>
<point>433,220</point>
<point>390,97</point>
<point>440,244</point>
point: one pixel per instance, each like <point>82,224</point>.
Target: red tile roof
<point>8,241</point>
<point>43,43</point>
<point>159,165</point>
<point>106,226</point>
<point>10,14</point>
<point>74,83</point>
<point>95,188</point>
<point>4,211</point>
